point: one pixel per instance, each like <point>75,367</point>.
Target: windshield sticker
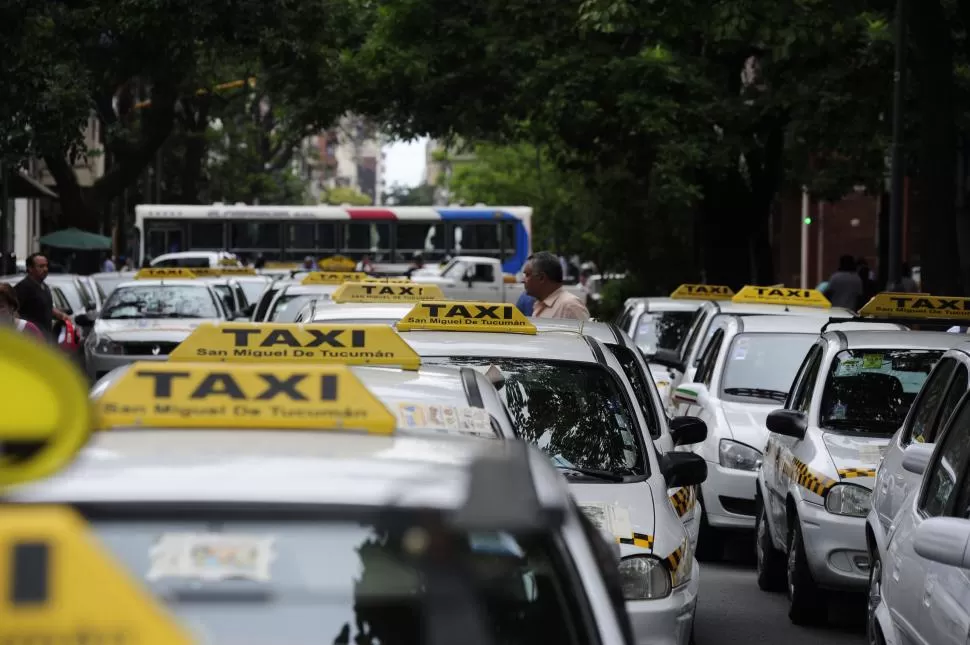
<point>849,367</point>
<point>464,420</point>
<point>611,518</point>
<point>838,411</point>
<point>872,361</point>
<point>412,415</point>
<point>212,557</point>
<point>741,349</point>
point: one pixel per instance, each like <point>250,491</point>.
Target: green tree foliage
<point>398,195</point>
<point>346,195</point>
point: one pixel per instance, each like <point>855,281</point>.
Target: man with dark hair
<point>542,277</point>
<point>36,302</point>
<point>845,287</point>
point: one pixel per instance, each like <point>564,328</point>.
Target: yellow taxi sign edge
<point>179,273</point>
<point>242,396</point>
<point>449,315</point>
<point>917,306</point>
<point>774,295</point>
<point>346,344</point>
<point>702,292</point>
<point>333,277</point>
<point>371,291</point>
<point>47,404</point>
<point>73,560</point>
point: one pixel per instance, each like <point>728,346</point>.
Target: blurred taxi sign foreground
<point>170,273</point>
<point>332,277</point>
<point>386,292</point>
<point>446,315</point>
<point>776,295</point>
<point>51,567</point>
<point>917,306</point>
<point>337,263</point>
<point>242,396</point>
<point>702,292</point>
<point>218,272</point>
<point>344,343</point>
<point>46,417</point>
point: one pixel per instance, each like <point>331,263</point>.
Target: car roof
<point>602,331</point>
<point>330,310</point>
<point>660,304</point>
<point>862,339</point>
<point>546,346</point>
<point>731,307</point>
<point>804,324</point>
<point>176,282</point>
<point>299,289</point>
<point>298,467</point>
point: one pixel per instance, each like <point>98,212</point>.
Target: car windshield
<point>249,577</point>
<point>160,301</point>
<point>288,305</point>
<point>574,412</point>
<point>763,366</point>
<point>110,281</point>
<point>661,330</point>
<point>870,390</point>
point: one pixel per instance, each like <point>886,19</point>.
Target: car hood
<point>856,458</point>
<point>746,421</point>
<point>623,510</point>
<point>147,329</point>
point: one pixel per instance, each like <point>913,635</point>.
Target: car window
<point>264,302</point>
<point>958,387</point>
<point>869,391</point>
<point>338,579</point>
<point>926,410</point>
<point>705,368</point>
<point>225,294</point>
<point>240,296</point>
<point>576,413</point>
<point>948,461</point>
<point>623,322</point>
<point>634,372</point>
<point>661,330</point>
<point>763,366</point>
<point>804,385</point>
<point>60,301</point>
<point>695,329</point>
<point>160,301</point>
<point>87,298</point>
<point>253,289</point>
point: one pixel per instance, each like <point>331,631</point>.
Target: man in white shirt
<point>542,277</point>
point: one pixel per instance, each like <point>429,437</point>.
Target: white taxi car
<point>850,395</point>
<point>199,524</point>
<point>747,302</point>
<point>148,317</point>
<point>743,374</point>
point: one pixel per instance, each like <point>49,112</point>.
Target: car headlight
<point>738,456</point>
<point>848,499</point>
<point>103,345</point>
<point>644,577</point>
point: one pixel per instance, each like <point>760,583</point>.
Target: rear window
<point>763,366</point>
<point>247,578</point>
<point>870,391</point>
<point>575,412</point>
<point>661,330</point>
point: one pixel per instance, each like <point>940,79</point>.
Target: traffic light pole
<point>897,185</point>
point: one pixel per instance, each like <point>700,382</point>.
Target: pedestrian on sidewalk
<point>543,277</point>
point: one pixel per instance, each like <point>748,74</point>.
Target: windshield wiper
<point>869,426</point>
<point>757,392</point>
<point>596,473</point>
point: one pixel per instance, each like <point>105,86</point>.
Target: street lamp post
<point>894,256</point>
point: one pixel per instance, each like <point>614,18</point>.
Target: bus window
<point>255,235</point>
<point>205,235</point>
<point>428,238</point>
<point>483,237</point>
<point>369,237</point>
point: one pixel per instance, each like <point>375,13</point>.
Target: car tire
<point>770,561</point>
<point>710,541</point>
<point>806,604</point>
<point>873,598</point>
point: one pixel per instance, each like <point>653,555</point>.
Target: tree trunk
<point>933,71</point>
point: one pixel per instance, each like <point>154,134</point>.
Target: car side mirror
<point>944,540</point>
<point>86,319</point>
<point>668,358</point>
<point>686,431</point>
<point>790,423</point>
<point>916,457</point>
<point>691,394</point>
<point>683,469</point>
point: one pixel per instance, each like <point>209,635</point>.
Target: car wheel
<point>806,605</point>
<point>710,541</point>
<point>874,597</point>
<point>771,562</point>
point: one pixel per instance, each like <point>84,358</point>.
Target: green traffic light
<point>807,220</point>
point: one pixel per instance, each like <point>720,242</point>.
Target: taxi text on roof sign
<point>386,292</point>
<point>170,273</point>
<point>702,292</point>
<point>911,305</point>
<point>49,563</point>
<point>242,396</point>
<point>781,296</point>
<point>466,316</point>
<point>249,342</point>
<point>46,417</point>
<point>218,272</point>
<point>333,277</point>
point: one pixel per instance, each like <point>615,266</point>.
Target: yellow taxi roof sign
<point>386,292</point>
<point>917,305</point>
<point>281,265</point>
<point>295,343</point>
<point>446,315</point>
<point>374,278</point>
<point>337,263</point>
<point>218,272</point>
<point>702,292</point>
<point>49,562</point>
<point>242,396</point>
<point>165,273</point>
<point>47,417</point>
<point>333,277</point>
<point>787,296</point>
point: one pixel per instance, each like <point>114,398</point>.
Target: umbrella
<point>75,238</point>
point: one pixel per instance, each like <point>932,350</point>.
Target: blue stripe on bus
<point>475,213</point>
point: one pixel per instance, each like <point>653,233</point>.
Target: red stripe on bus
<point>370,213</point>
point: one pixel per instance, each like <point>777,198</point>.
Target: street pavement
<point>731,607</point>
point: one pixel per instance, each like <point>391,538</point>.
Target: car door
<point>934,404</point>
